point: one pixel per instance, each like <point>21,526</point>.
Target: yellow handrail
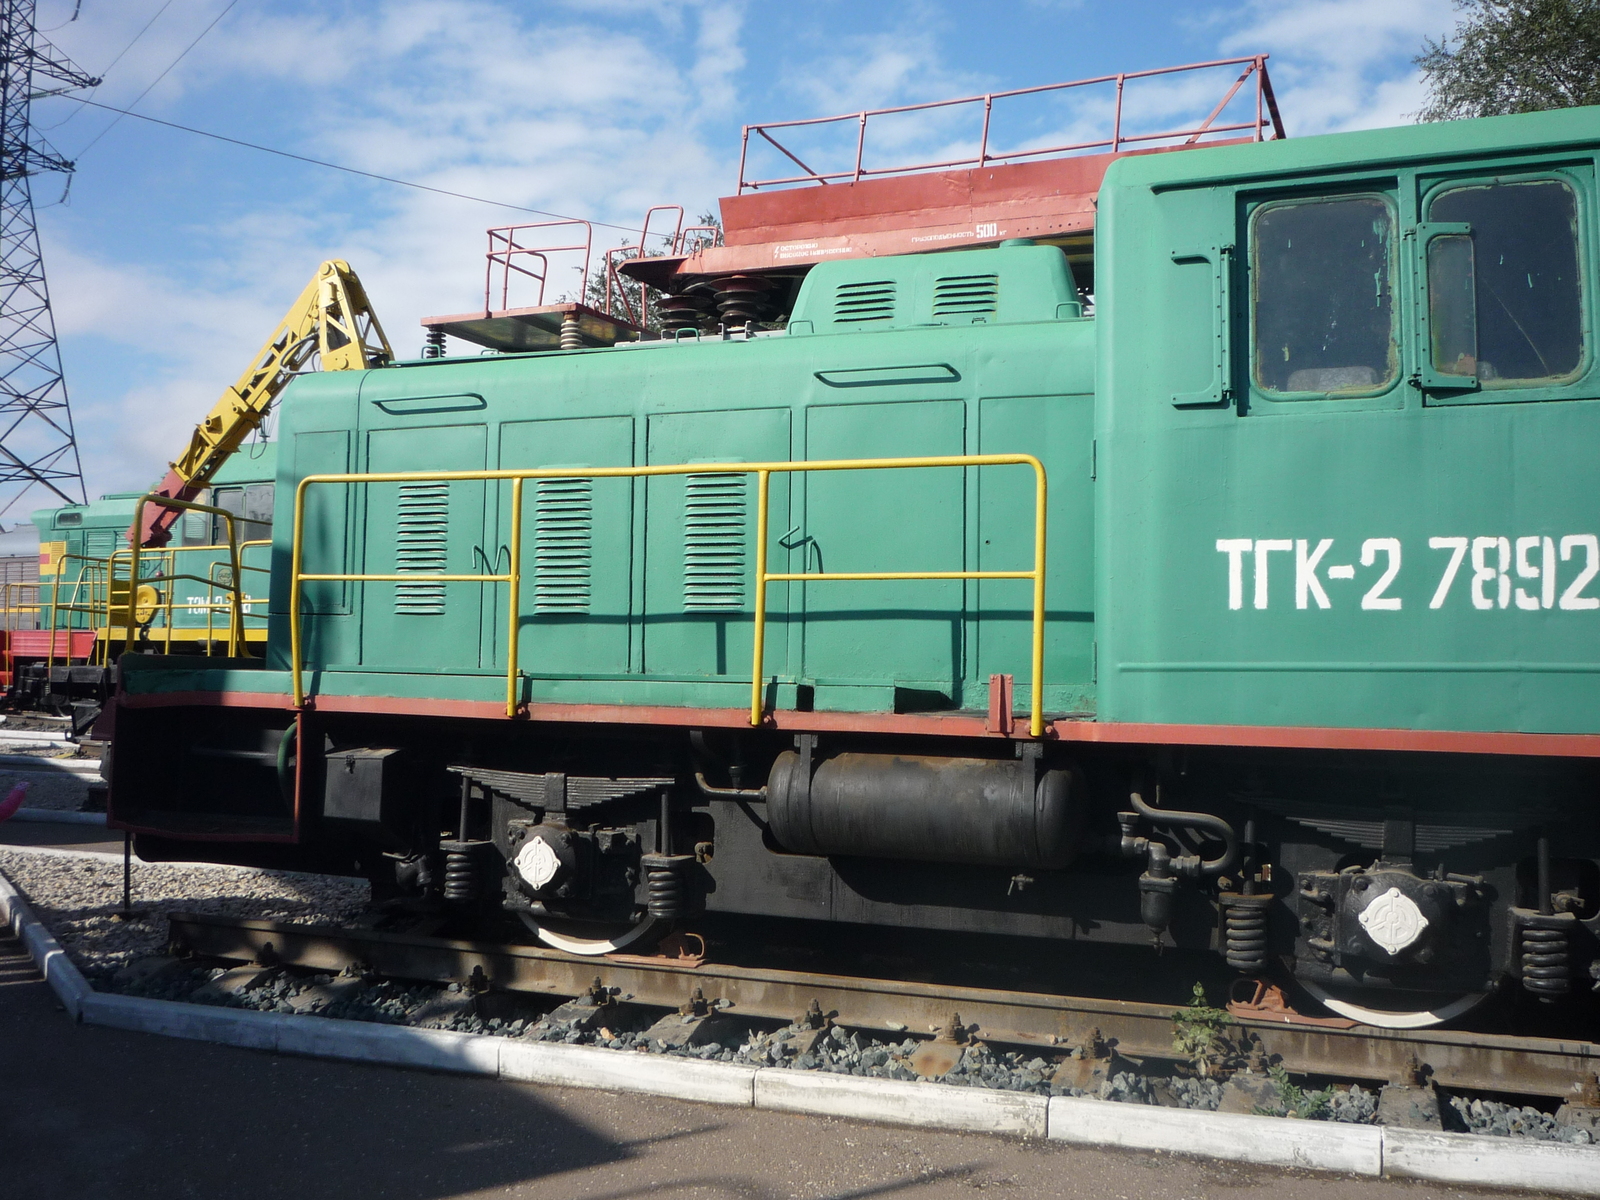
<point>236,612</point>
<point>87,575</point>
<point>763,473</point>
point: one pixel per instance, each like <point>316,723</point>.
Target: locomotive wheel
<point>1387,1018</point>
<point>586,938</point>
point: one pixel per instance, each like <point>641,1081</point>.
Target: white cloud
<point>1342,64</point>
<point>580,108</point>
<point>573,111</point>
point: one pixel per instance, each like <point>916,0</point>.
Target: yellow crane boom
<point>332,318</point>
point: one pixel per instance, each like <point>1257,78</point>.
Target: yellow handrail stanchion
<point>514,599</point>
<point>759,666</point>
<point>763,473</point>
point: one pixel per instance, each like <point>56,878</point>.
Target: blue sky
<point>175,254</point>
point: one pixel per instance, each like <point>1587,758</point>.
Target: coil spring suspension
<point>571,333</point>
<point>1245,931</point>
<point>1546,955</point>
<point>460,875</point>
<point>668,887</point>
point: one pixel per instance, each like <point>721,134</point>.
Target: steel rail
<point>1483,1062</point>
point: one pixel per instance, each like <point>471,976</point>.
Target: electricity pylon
<point>38,447</point>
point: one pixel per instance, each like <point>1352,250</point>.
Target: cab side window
<point>1322,297</point>
<point>1506,291</point>
<point>252,510</point>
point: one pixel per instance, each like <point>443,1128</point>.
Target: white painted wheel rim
<point>1386,1019</point>
<point>646,931</point>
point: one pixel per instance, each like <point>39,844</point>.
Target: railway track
<point>1497,1063</point>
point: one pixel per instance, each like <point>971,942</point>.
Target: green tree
<point>1512,56</point>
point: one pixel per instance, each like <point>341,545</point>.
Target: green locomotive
<point>1313,683</point>
<point>67,623</point>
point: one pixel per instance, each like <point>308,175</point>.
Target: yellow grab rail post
<point>763,473</point>
<point>759,656</point>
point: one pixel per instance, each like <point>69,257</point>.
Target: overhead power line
<point>106,70</point>
<point>151,87</point>
<point>317,162</point>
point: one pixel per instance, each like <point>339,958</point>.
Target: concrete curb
<point>977,1110</point>
<point>62,816</point>
<point>22,763</point>
<point>1270,1141</point>
<point>68,983</point>
<point>627,1071</point>
<point>1492,1162</point>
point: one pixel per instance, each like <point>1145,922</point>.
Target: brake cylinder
<point>985,812</point>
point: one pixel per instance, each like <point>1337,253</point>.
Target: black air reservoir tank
<point>980,811</point>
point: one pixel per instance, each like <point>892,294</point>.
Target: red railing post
<point>1116,120</point>
<point>861,142</point>
<point>1260,68</point>
<point>983,142</point>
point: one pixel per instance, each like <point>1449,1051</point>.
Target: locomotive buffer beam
<point>1489,1062</point>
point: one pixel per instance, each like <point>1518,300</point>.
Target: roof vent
<point>966,296</point>
<point>872,300</point>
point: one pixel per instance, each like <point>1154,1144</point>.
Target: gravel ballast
<point>78,898</point>
<point>56,790</point>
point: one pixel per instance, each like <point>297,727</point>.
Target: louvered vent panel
<point>99,543</point>
<point>854,303</point>
<point>966,296</point>
<point>422,544</point>
<point>563,545</point>
<point>714,512</point>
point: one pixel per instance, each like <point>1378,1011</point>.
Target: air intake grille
<point>855,303</point>
<point>714,512</point>
<point>966,296</point>
<point>422,544</point>
<point>563,545</point>
<point>99,543</point>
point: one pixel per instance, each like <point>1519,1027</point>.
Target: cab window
<point>251,507</point>
<point>1322,297</point>
<point>1506,292</point>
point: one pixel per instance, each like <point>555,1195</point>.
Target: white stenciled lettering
<point>1483,572</point>
<point>1521,573</point>
<point>1546,572</point>
<point>1573,597</point>
<point>1235,549</point>
<point>1265,547</point>
<point>1306,584</point>
<point>1370,549</point>
<point>1458,551</point>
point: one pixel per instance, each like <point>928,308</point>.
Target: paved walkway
<point>106,1115</point>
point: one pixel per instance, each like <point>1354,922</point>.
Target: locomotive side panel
<point>640,590</point>
<point>1347,535</point>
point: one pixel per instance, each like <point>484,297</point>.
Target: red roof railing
<point>514,255</point>
<point>1266,118</point>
